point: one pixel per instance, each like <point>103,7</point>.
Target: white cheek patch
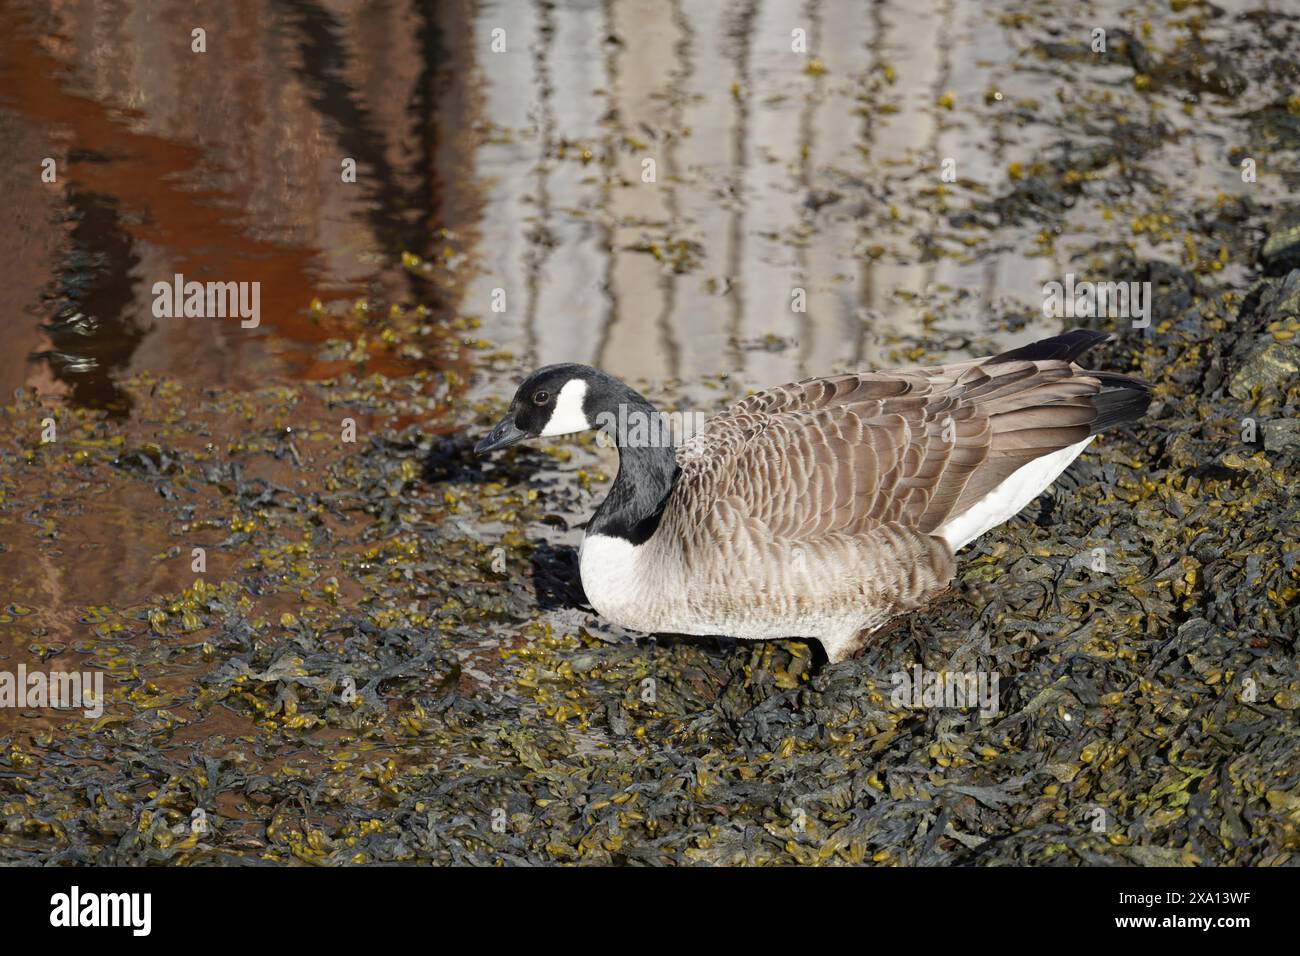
<point>568,416</point>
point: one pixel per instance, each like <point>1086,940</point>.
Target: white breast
<point>1008,498</point>
<point>614,583</point>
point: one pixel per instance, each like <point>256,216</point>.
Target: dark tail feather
<point>1121,399</point>
<point>1068,346</point>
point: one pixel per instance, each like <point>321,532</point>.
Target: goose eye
<point>540,398</point>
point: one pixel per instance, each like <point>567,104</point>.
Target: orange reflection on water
<point>220,166</point>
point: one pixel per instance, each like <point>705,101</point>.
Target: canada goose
<point>824,508</point>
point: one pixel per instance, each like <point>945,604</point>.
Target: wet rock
<point>1281,250</point>
<point>1271,366</point>
<point>1281,434</point>
<point>1280,300</point>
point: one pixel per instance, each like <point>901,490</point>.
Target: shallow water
<point>775,171</point>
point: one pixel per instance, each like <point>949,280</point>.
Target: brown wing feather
<point>849,453</point>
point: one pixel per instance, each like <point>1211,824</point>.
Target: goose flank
<point>824,508</point>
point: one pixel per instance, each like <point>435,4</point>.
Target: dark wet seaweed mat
<point>389,659</point>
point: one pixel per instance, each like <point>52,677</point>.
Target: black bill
<point>503,435</point>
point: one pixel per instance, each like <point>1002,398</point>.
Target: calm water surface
<point>519,173</point>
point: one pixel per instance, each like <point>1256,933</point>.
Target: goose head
<point>555,400</point>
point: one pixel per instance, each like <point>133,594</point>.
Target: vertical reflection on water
<point>833,128</point>
<point>570,313</point>
<point>904,140</point>
<point>694,273</point>
<point>93,330</point>
<point>640,285</point>
<point>771,174</point>
<point>321,65</point>
<point>506,163</point>
<point>704,318</point>
<point>776,171</point>
<point>773,89</point>
<point>226,165</point>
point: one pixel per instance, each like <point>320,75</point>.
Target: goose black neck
<point>647,467</point>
